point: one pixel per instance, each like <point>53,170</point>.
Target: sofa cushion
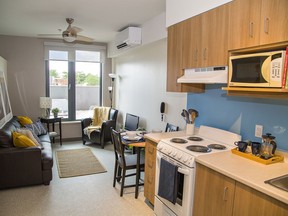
<point>20,140</point>
<point>24,120</point>
<point>37,128</point>
<point>30,134</point>
<point>6,139</point>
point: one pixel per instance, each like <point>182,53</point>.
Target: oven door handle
<point>180,170</point>
<point>183,171</point>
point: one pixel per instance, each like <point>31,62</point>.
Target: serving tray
<point>274,159</point>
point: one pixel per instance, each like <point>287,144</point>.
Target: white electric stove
<point>182,151</point>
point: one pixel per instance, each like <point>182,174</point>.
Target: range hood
<point>208,75</point>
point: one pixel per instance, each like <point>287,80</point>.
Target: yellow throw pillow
<point>24,120</point>
<point>20,140</point>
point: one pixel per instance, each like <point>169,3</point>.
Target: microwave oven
<point>257,70</point>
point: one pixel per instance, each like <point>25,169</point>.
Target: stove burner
<point>178,140</point>
<point>194,138</point>
<point>198,148</point>
<point>217,146</point>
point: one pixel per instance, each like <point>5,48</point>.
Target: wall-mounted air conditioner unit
<point>128,37</point>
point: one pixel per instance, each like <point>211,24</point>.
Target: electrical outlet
<point>258,131</point>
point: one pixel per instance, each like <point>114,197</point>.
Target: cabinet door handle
<point>225,193</point>
<point>205,54</point>
<point>150,164</point>
<point>151,150</point>
<point>266,25</point>
<point>196,55</point>
<point>251,24</point>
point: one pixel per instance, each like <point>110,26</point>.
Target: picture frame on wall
<point>5,106</point>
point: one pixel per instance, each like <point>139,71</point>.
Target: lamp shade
<point>45,102</point>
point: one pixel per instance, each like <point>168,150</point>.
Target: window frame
<point>71,71</point>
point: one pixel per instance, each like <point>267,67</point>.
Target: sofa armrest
<point>20,166</point>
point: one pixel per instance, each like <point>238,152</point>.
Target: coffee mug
<point>242,146</point>
<point>255,146</point>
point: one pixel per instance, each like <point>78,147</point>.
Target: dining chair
<point>170,128</point>
<point>124,162</point>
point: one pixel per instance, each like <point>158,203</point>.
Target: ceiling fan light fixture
<point>68,36</point>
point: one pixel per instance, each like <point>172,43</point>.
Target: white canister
<point>190,129</point>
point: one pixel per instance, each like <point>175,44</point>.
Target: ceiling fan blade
<point>49,35</point>
<point>76,29</point>
<point>85,39</point>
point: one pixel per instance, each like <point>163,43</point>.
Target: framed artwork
<point>5,107</point>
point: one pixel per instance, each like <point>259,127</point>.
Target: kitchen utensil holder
<point>190,129</point>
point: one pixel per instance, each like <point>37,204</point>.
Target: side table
<point>52,121</point>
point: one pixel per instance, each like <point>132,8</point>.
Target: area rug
<point>78,162</point>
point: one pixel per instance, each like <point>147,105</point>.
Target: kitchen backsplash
<point>241,114</point>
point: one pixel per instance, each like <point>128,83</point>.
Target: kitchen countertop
<point>156,137</point>
<point>248,172</point>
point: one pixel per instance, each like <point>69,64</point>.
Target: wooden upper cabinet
<point>174,57</point>
<point>214,42</point>
<point>244,23</point>
<point>191,42</point>
<point>205,39</point>
<point>257,22</point>
<point>274,18</point>
<point>174,62</point>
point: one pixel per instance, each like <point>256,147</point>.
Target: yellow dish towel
<point>100,114</point>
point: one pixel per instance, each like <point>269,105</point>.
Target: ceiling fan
<point>71,33</point>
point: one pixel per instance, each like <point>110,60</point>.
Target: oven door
<point>185,194</point>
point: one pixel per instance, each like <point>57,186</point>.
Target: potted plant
<point>55,112</point>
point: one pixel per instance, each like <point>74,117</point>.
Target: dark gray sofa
<point>23,166</point>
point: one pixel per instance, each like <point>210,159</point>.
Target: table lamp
<point>46,103</point>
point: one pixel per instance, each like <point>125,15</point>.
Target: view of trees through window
<point>81,77</point>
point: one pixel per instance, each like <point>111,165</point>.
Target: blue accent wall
<point>241,114</point>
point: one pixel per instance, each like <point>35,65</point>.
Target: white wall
<point>141,87</point>
<point>177,11</point>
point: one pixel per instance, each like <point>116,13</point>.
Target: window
<point>73,81</point>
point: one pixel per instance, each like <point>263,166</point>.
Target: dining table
<point>136,145</point>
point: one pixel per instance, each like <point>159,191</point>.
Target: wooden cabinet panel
<point>257,22</point>
<point>191,42</point>
<point>244,26</point>
<point>214,193</point>
<point>214,51</point>
<point>150,166</point>
<point>274,18</point>
<point>174,62</point>
<point>250,202</point>
<point>174,57</point>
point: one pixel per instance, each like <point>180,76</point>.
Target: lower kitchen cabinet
<point>214,193</point>
<point>248,201</point>
<point>150,166</point>
<point>217,194</point>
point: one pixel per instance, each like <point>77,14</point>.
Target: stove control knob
<point>185,159</point>
<point>169,151</point>
<point>160,147</point>
<point>174,153</point>
<point>179,156</point>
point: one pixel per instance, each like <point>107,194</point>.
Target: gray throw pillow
<point>37,128</point>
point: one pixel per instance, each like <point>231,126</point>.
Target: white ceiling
<point>99,19</point>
